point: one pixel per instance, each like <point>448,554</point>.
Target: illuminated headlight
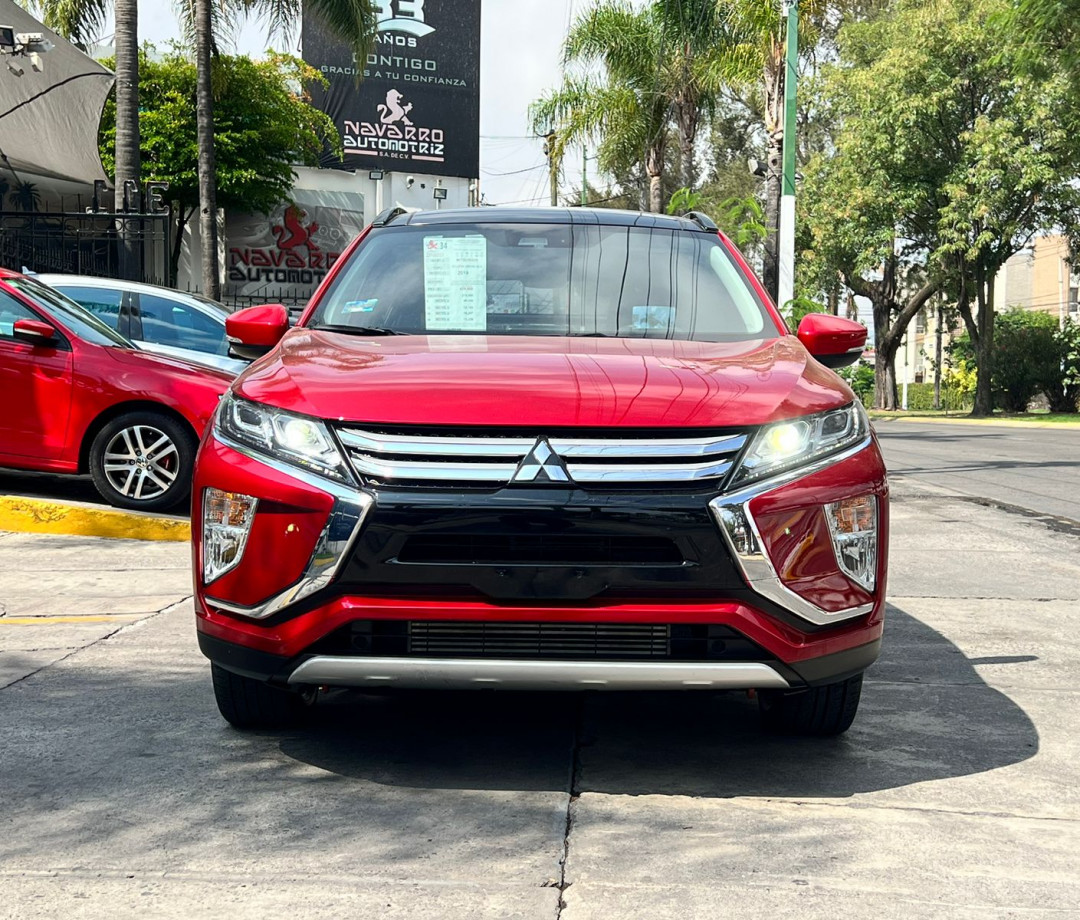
<point>853,526</point>
<point>295,439</point>
<point>227,520</point>
<point>785,445</point>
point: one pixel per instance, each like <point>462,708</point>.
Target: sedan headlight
<point>785,445</point>
<point>295,439</point>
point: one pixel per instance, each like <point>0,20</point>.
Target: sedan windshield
<point>544,279</point>
<point>78,319</point>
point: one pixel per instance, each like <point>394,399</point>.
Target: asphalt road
<point>956,794</point>
<point>1032,468</point>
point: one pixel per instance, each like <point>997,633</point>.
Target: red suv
<point>546,449</point>
<point>80,398</point>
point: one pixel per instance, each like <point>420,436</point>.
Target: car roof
<point>136,287</point>
<point>608,217</point>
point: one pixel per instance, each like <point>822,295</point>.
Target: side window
<point>171,322</point>
<point>11,310</point>
<point>103,303</point>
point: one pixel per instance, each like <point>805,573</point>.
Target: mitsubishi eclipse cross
<point>541,449</point>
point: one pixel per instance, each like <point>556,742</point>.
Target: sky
<point>520,50</point>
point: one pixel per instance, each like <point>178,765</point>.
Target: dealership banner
<point>417,107</point>
<point>284,255</point>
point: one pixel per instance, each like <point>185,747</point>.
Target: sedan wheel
<point>142,460</point>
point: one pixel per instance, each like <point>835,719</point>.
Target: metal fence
<point>133,246</point>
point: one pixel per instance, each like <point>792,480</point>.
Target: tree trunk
<point>984,398</point>
<point>687,173</point>
<point>208,224</point>
<point>128,163</point>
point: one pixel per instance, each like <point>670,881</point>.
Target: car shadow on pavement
<point>925,715</point>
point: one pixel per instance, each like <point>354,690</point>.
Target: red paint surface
<point>54,392</point>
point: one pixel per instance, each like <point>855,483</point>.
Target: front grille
<point>499,458</point>
<point>539,549</point>
<point>537,640</point>
<point>560,641</point>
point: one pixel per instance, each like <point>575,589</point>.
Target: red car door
<point>35,389</point>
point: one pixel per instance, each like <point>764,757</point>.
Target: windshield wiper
<point>358,330</point>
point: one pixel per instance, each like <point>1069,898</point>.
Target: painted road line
<point>33,515</point>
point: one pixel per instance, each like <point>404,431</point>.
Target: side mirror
<point>33,330</point>
<point>833,340</point>
<point>253,331</point>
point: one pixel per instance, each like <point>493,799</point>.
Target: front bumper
<point>322,558</point>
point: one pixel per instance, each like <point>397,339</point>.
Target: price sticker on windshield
<point>455,283</point>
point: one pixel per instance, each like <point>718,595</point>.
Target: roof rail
<point>702,220</point>
<point>388,216</point>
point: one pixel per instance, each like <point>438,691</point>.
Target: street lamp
<point>786,253</point>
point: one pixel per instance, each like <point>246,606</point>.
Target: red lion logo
<point>291,232</point>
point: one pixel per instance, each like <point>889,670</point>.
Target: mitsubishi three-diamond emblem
<point>541,464</point>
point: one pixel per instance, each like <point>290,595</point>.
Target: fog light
<point>227,520</point>
<point>853,526</point>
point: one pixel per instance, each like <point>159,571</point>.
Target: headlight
<point>785,445</point>
<point>296,439</point>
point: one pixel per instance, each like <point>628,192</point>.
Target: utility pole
<point>786,254</point>
<point>553,167</point>
<point>584,183</point>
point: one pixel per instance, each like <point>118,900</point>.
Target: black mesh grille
<point>515,639</point>
<point>538,640</point>
<point>539,549</point>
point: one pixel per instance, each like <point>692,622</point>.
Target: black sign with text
<point>417,108</point>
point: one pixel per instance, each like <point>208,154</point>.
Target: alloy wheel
<point>141,462</point>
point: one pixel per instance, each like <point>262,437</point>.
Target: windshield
<point>544,279</point>
<point>78,319</point>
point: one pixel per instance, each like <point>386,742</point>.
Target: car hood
<point>168,366</point>
<point>541,381</point>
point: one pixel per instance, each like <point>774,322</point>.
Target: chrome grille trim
<point>646,448</point>
<point>486,458</point>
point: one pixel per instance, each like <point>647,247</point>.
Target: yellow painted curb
<point>33,515</point>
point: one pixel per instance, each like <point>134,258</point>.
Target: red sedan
<point>80,398</point>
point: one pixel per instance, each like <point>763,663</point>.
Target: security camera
<point>35,61</point>
<point>409,182</point>
<point>15,68</point>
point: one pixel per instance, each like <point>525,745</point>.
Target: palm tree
<point>355,21</point>
<point>80,22</point>
<point>663,66</point>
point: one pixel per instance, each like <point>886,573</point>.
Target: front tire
<point>819,711</point>
<point>248,703</point>
<point>143,461</point>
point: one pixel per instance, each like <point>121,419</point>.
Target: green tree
<point>661,68</point>
<point>948,159</point>
<point>1064,392</point>
<point>354,21</point>
<point>264,126</point>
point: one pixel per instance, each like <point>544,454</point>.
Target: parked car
<point>157,319</point>
<point>555,449</point>
<point>80,398</point>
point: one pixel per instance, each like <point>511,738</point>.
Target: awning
<point>49,117</point>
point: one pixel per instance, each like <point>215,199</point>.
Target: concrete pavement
<point>956,793</point>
